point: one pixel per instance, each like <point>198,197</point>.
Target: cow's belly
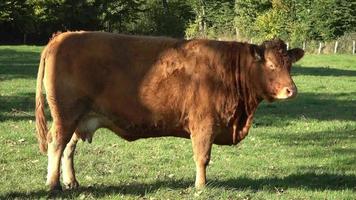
<point>127,130</point>
<point>133,131</point>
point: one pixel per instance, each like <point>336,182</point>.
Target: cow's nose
<point>290,91</point>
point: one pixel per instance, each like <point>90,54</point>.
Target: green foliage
<point>118,15</point>
<point>342,18</point>
<point>247,12</point>
<point>18,13</point>
<point>212,19</point>
<point>61,15</point>
<point>296,20</point>
<point>292,20</point>
<point>273,23</point>
<point>159,20</point>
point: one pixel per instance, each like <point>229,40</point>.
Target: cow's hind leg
<point>54,155</point>
<point>69,180</point>
<point>65,120</point>
<point>58,138</point>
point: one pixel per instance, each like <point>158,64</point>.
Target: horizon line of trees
<point>296,21</point>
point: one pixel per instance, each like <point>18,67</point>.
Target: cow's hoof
<point>72,185</point>
<point>55,188</point>
<point>200,185</point>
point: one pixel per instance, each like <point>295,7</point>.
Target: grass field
<point>300,149</point>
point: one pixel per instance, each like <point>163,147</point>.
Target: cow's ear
<point>257,52</point>
<point>295,54</point>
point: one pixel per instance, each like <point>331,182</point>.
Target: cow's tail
<point>41,122</point>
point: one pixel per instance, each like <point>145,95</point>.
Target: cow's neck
<point>248,100</point>
<point>241,122</point>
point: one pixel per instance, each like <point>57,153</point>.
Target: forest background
<point>314,25</point>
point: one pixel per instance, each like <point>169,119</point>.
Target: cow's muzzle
<point>287,92</point>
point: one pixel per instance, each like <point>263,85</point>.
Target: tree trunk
<point>165,6</point>
<point>203,20</point>
<point>24,38</point>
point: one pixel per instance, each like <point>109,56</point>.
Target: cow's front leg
<point>202,137</point>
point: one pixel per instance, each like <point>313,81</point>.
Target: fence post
<point>353,47</point>
<point>336,45</point>
<point>237,33</point>
<point>287,45</point>
<point>304,45</point>
<point>319,50</point>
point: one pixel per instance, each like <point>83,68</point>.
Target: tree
<point>342,18</point>
<point>292,20</point>
<point>60,15</point>
<point>160,19</point>
<point>17,17</point>
<point>247,12</point>
<point>295,20</point>
<point>212,18</point>
<point>117,14</point>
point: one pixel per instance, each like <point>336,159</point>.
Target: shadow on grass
<point>9,56</point>
<point>17,108</point>
<point>137,189</point>
<point>321,71</point>
<point>319,106</point>
<point>18,64</point>
<point>322,138</point>
<point>335,142</point>
<point>307,181</point>
<point>325,138</point>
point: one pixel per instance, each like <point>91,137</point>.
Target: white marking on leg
<point>54,158</point>
<point>69,179</point>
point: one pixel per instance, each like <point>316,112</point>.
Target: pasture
<point>299,149</point>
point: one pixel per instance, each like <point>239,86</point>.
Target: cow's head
<point>273,64</point>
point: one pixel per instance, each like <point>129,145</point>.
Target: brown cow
<point>142,87</point>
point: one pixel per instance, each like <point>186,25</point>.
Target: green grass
<point>299,149</point>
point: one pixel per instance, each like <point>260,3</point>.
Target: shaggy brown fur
<point>142,87</point>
